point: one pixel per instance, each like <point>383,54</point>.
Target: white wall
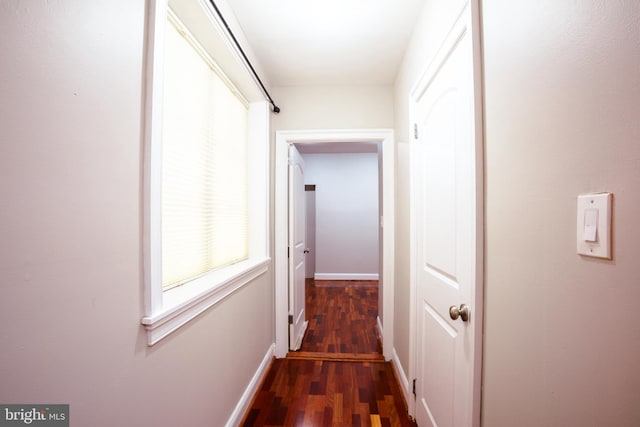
<point>71,235</point>
<point>346,214</point>
<point>562,119</point>
<point>333,107</point>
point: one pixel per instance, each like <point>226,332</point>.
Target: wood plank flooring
<point>317,393</point>
<point>339,377</point>
<point>342,317</point>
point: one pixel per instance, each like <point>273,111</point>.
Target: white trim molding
<point>405,384</point>
<point>252,389</point>
<point>379,326</point>
<point>184,303</point>
<point>385,138</point>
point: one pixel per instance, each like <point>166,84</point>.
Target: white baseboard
<point>301,335</point>
<point>345,276</point>
<point>251,390</point>
<point>406,387</point>
<point>380,330</point>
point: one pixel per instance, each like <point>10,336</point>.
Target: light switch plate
<point>593,233</point>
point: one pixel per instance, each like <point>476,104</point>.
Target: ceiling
<point>328,42</point>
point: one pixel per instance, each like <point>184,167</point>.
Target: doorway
<point>385,140</point>
<point>342,185</point>
<point>341,290</point>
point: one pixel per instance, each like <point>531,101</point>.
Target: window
<point>206,170</point>
<point>204,163</point>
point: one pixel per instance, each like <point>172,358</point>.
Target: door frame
<point>387,264</point>
<point>477,293</point>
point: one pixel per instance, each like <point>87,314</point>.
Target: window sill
<point>182,304</point>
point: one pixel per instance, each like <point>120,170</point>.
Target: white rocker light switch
<point>594,225</point>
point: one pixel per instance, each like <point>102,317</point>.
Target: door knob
<point>306,251</point>
<point>462,312</point>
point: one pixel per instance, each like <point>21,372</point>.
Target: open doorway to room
<point>342,251</point>
<point>328,158</point>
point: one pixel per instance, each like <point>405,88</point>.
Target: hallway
<point>87,322</point>
<point>339,376</point>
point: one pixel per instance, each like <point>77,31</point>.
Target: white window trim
<point>182,304</point>
<point>167,311</point>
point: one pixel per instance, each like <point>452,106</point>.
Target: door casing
<point>283,139</point>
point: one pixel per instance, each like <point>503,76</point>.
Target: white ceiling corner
<point>329,42</point>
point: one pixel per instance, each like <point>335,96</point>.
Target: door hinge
<point>291,322</point>
<point>415,131</point>
<point>288,248</point>
<point>414,386</point>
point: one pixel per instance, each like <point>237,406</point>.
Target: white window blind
<point>204,164</point>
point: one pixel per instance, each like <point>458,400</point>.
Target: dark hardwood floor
<point>339,377</point>
<point>342,317</point>
<point>323,393</point>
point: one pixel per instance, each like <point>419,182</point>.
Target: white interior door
<point>297,248</point>
<point>447,253</point>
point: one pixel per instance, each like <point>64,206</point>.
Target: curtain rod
<point>275,108</point>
